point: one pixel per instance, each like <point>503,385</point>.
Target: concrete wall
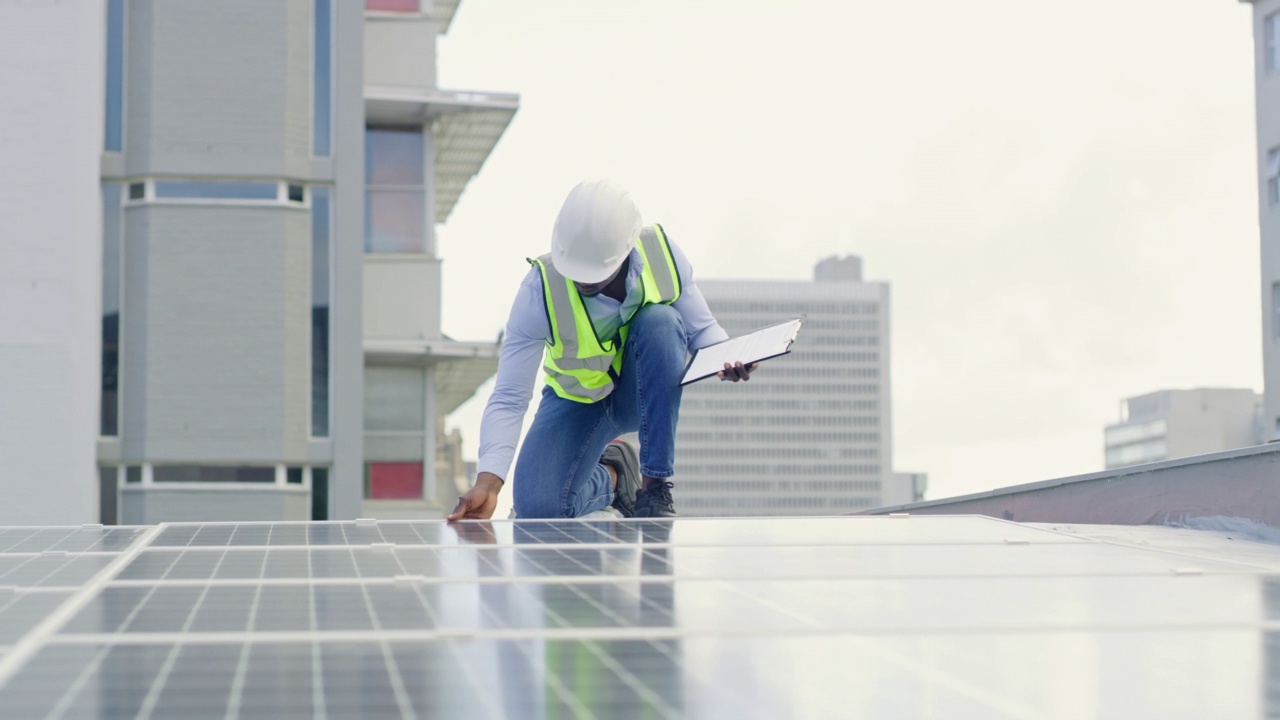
<point>188,503</point>
<point>216,333</point>
<point>51,135</point>
<point>346,365</point>
<point>400,51</point>
<point>1211,420</point>
<point>219,88</point>
<point>401,297</point>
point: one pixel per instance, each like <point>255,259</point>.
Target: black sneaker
<point>656,501</point>
<point>622,458</point>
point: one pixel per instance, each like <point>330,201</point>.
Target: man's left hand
<point>737,371</point>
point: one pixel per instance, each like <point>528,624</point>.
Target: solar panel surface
<point>862,616</point>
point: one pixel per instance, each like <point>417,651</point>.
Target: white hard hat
<point>594,232</point>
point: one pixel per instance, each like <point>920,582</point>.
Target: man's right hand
<point>480,501</point>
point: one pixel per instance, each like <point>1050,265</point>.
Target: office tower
<point>267,181</point>
<point>1180,423</point>
<point>1266,39</point>
<point>810,432</point>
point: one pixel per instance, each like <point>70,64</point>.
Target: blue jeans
<point>558,473</point>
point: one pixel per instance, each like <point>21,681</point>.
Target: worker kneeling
<point>612,313</point>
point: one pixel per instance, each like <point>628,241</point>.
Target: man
<point>615,308</point>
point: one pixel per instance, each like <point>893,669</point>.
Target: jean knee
<point>659,319</point>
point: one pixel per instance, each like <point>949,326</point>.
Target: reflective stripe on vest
<point>578,365</point>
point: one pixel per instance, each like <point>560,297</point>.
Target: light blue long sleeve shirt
<point>528,333</point>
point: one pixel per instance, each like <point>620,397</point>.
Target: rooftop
<point>889,616</point>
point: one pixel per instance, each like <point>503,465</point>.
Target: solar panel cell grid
<point>728,618</point>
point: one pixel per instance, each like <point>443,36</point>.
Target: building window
<point>1273,177</point>
<point>113,140</point>
<point>1271,28</point>
<point>322,69</point>
<point>393,481</point>
<point>253,192</point>
<point>321,242</point>
<point>319,493</point>
<point>215,190</point>
<point>1275,311</point>
<point>213,474</point>
<point>392,5</point>
<point>111,273</point>
<point>395,195</point>
<point>108,489</point>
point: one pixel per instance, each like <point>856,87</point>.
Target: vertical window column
<point>322,71</point>
<point>321,272</point>
<point>113,140</point>
<point>1273,177</point>
<point>111,301</point>
<point>1275,311</point>
<point>1271,32</point>
<point>395,193</point>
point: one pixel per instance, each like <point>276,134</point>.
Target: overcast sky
<point>1062,196</point>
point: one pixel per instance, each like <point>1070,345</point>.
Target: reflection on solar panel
<point>770,617</point>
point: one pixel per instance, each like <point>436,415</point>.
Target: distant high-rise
<point>1180,423</point>
<point>810,433</point>
<point>1266,40</point>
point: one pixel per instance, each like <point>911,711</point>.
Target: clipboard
<point>760,345</point>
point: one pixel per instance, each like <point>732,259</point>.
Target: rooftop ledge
<point>1235,484</point>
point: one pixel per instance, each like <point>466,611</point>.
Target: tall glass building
<point>810,433</point>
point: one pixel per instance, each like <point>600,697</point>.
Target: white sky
<point>1063,196</point>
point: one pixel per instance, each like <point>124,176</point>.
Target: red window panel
<point>392,5</point>
<point>395,481</point>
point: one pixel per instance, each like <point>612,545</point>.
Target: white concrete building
<point>50,144</point>
<point>1181,423</point>
<point>219,281</point>
<point>810,434</point>
<point>1266,40</point>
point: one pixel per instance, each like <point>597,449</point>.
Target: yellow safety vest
<point>579,366</point>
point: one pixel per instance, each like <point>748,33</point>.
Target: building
<point>1181,423</point>
<point>270,341</point>
<point>51,143</point>
<point>810,434</point>
<point>1266,40</point>
<point>906,487</point>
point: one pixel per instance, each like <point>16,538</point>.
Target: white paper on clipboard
<point>759,345</point>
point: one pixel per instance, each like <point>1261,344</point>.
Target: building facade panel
<point>401,52</point>
<point>51,139</point>
<point>198,109</point>
<point>224,338</point>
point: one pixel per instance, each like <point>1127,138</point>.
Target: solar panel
<point>872,616</point>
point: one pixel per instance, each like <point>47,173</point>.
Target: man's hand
<point>736,372</point>
<point>480,501</point>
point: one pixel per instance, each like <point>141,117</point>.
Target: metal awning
<point>466,126</point>
<point>442,11</point>
<point>461,367</point>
